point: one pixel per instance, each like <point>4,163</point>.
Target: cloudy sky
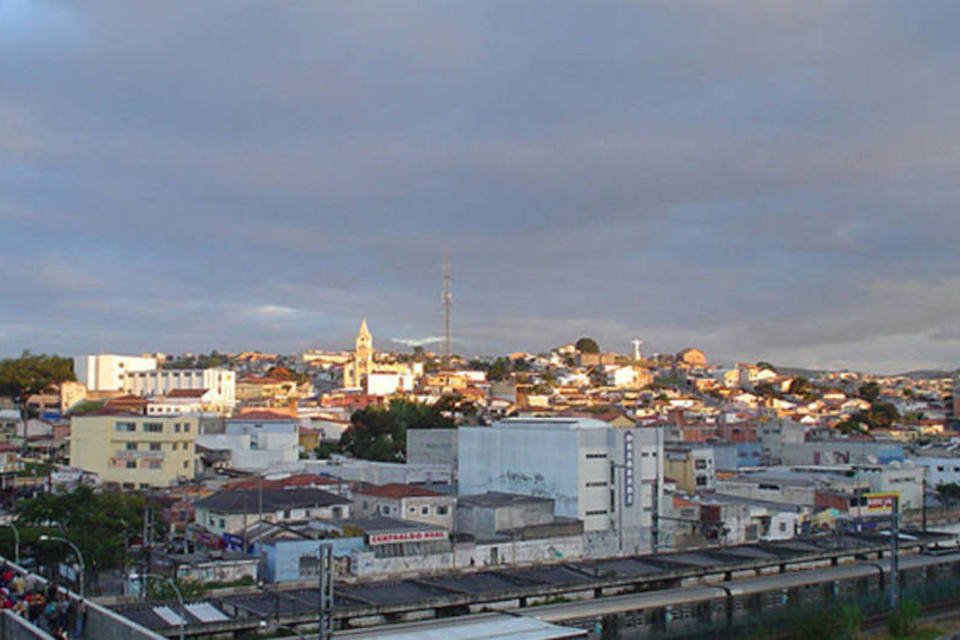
<point>765,180</point>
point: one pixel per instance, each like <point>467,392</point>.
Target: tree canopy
<point>99,523</point>
<point>869,391</point>
<point>587,345</point>
<point>202,361</point>
<point>33,373</point>
<point>378,433</point>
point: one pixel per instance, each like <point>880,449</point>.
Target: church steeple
<point>364,338</point>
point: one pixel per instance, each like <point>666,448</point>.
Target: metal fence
<point>818,621</point>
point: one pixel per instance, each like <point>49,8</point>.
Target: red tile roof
<point>298,480</point>
<point>264,416</point>
<point>397,490</point>
<point>186,393</point>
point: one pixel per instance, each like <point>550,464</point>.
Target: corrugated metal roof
<point>486,627</point>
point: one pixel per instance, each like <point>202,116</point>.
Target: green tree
<point>33,373</point>
<point>949,492</point>
<point>766,365</point>
<point>869,391</point>
<point>587,345</point>
<point>378,433</point>
<point>903,621</point>
<point>99,523</point>
<point>800,386</point>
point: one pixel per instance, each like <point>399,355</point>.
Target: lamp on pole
<point>16,541</point>
<point>176,589</point>
<point>76,550</point>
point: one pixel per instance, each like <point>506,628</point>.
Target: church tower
<point>355,372</point>
<point>364,343</point>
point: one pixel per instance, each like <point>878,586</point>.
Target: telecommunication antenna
<point>447,307</point>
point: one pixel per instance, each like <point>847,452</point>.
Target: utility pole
<point>895,555</point>
<point>447,308</point>
<point>325,562</point>
<point>655,528</point>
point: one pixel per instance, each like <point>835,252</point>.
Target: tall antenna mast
<point>447,306</point>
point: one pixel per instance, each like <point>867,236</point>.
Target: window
<point>425,511</point>
<point>701,481</point>
<point>144,485</point>
<point>412,509</point>
<point>596,456</point>
<point>442,511</point>
<point>176,427</point>
<point>131,464</point>
<point>598,512</point>
<point>153,427</point>
<point>222,523</point>
<point>129,486</point>
<point>186,464</point>
<point>597,483</point>
<point>131,446</point>
<point>156,446</point>
<point>125,426</point>
<point>286,514</point>
<point>700,464</point>
<point>309,565</point>
<point>186,427</point>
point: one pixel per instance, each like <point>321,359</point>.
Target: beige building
<point>135,451</point>
<point>407,502</point>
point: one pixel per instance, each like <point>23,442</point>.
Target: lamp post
<point>16,542</point>
<point>176,589</point>
<point>76,550</point>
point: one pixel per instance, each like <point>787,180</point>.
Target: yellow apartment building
<point>135,451</point>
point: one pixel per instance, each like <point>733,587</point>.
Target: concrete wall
<point>283,557</point>
<point>380,472</point>
<point>528,461</point>
<point>13,627</point>
<point>841,452</point>
<point>103,623</point>
<point>547,550</point>
<point>433,446</point>
<point>484,522</point>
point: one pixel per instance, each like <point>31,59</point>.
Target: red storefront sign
<point>407,536</point>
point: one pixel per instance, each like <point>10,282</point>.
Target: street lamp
<point>46,538</point>
<point>16,541</point>
<point>176,589</point>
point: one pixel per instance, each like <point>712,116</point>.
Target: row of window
<point>158,446</point>
<point>385,509</point>
<point>151,427</point>
<point>150,464</point>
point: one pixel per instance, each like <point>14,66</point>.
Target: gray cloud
<point>764,180</point>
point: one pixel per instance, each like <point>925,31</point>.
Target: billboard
<point>879,504</point>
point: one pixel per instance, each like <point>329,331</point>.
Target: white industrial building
<point>105,371</point>
<point>221,384</point>
<point>258,441</point>
<point>610,478</point>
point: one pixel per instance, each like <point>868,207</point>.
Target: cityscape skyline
<point>761,182</point>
